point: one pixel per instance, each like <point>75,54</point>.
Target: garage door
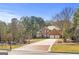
<point>52,36</point>
<point>57,36</point>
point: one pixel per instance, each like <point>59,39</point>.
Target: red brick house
<point>50,32</point>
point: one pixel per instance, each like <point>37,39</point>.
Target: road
<point>41,47</point>
<point>3,52</point>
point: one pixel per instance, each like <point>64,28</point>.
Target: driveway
<point>43,46</point>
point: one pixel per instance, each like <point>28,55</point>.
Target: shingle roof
<point>52,30</point>
<point>53,27</point>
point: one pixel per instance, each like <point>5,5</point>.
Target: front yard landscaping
<point>65,47</point>
<point>7,47</point>
<point>35,40</point>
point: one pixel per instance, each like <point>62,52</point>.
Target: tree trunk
<point>0,38</point>
<point>65,40</point>
<point>29,38</point>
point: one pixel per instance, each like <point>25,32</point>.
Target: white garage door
<point>54,36</point>
<point>57,36</point>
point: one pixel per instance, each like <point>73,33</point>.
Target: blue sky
<point>44,10</point>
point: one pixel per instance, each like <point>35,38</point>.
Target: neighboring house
<point>49,32</point>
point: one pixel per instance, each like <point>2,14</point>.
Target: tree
<point>64,21</point>
<point>21,31</point>
<point>14,29</point>
<point>32,25</point>
<point>37,24</point>
<point>2,30</point>
<point>76,25</point>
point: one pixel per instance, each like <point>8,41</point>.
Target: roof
<point>54,32</point>
<point>51,30</point>
<point>53,27</point>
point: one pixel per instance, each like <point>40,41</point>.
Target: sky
<point>44,10</point>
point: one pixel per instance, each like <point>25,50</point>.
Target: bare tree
<point>63,21</point>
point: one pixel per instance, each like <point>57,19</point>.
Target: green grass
<point>35,40</point>
<point>7,47</point>
<point>69,48</point>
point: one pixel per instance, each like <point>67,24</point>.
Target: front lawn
<point>69,48</point>
<point>35,40</point>
<point>7,47</point>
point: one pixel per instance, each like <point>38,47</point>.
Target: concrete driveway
<point>43,46</point>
